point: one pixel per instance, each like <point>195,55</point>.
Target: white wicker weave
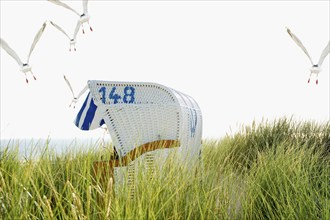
<point>138,112</point>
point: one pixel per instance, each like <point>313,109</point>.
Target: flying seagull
<point>316,68</point>
<point>83,18</point>
<point>72,41</point>
<point>25,67</point>
<point>75,98</point>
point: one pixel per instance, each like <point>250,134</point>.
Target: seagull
<point>316,68</point>
<point>75,98</point>
<point>83,18</point>
<point>72,41</point>
<point>25,67</point>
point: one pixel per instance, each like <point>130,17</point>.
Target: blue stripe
<point>194,124</point>
<point>81,111</point>
<point>89,116</point>
<point>192,117</point>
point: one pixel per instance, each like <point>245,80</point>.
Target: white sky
<point>235,58</point>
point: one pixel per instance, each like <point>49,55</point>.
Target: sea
<point>34,148</point>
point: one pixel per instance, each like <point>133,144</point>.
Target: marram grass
<point>273,170</point>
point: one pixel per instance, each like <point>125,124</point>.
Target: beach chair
<point>142,118</point>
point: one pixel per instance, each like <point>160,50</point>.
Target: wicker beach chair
<point>142,118</point>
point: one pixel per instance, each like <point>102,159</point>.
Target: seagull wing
<point>299,43</point>
<point>69,84</point>
<point>85,2</point>
<point>76,30</point>
<point>10,51</point>
<point>36,39</point>
<point>82,91</point>
<point>324,54</point>
<point>60,29</point>
<point>58,2</point>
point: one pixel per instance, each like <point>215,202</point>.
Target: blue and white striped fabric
<point>90,116</point>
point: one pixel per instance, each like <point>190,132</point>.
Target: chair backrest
<point>137,113</point>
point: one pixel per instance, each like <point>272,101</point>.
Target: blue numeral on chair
<point>103,90</point>
<point>129,91</point>
<point>114,96</point>
<point>129,94</point>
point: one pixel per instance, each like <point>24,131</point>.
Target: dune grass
<point>272,170</point>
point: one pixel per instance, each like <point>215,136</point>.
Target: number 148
<point>128,97</point>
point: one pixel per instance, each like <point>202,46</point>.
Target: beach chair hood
<point>137,113</point>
